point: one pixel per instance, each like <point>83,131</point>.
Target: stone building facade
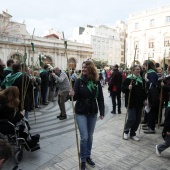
<point>15,41</point>
<point>105,42</point>
<point>149,30</point>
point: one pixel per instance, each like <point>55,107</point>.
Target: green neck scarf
<point>151,71</point>
<point>9,80</point>
<point>43,70</point>
<point>91,87</point>
<point>137,79</point>
<point>7,68</point>
<point>169,104</point>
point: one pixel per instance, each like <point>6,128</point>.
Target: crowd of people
<point>146,88</point>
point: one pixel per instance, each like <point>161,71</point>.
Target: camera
<point>51,71</point>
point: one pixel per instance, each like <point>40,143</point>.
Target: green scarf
<point>151,71</point>
<point>91,87</point>
<point>7,68</point>
<point>43,70</point>
<point>169,104</point>
<point>137,79</point>
<point>9,79</point>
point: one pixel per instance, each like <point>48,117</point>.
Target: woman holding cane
<point>89,98</point>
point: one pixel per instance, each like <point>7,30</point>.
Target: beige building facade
<point>105,42</point>
<point>149,30</point>
<point>15,41</point>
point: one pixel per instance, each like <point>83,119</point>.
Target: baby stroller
<point>8,132</point>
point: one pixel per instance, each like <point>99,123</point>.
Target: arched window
<point>151,43</point>
<point>167,41</point>
<point>47,60</point>
<point>17,57</point>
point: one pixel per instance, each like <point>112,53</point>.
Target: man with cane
<point>135,84</point>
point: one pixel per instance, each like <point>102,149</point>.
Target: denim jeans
<point>36,94</point>
<point>165,145</point>
<point>133,120</point>
<point>26,114</point>
<point>86,124</point>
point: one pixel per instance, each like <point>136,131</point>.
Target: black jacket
<point>166,123</point>
<point>6,72</point>
<point>116,80</point>
<point>44,78</point>
<point>167,119</point>
<point>137,93</point>
<point>86,102</point>
<point>37,83</point>
<point>8,113</point>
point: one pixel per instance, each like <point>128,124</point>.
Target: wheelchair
<point>8,132</point>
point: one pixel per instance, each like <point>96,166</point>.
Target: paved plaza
<point>110,152</point>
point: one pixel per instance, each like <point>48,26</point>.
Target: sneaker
<point>125,136</point>
<point>149,131</point>
<point>157,151</point>
<point>90,162</point>
<point>62,117</point>
<point>83,165</point>
<point>135,138</point>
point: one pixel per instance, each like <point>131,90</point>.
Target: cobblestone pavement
<point>110,152</point>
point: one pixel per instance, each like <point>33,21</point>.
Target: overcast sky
<point>65,15</point>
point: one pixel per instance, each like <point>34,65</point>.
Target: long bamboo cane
<point>23,79</point>
<point>160,101</point>
<point>129,97</point>
<point>32,45</point>
<point>77,141</point>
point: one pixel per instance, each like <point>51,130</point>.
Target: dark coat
<point>6,72</point>
<point>166,122</point>
<point>137,93</point>
<point>27,83</point>
<point>152,88</point>
<point>86,102</point>
<point>37,83</point>
<point>8,113</point>
<point>116,80</point>
<point>44,78</point>
<point>167,119</point>
<point>166,89</point>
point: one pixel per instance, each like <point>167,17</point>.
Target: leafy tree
<point>100,64</point>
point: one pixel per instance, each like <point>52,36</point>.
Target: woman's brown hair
<point>11,95</point>
<point>93,74</point>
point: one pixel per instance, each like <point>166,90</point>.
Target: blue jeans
<point>36,94</point>
<point>86,124</point>
<point>133,121</point>
<point>26,114</point>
